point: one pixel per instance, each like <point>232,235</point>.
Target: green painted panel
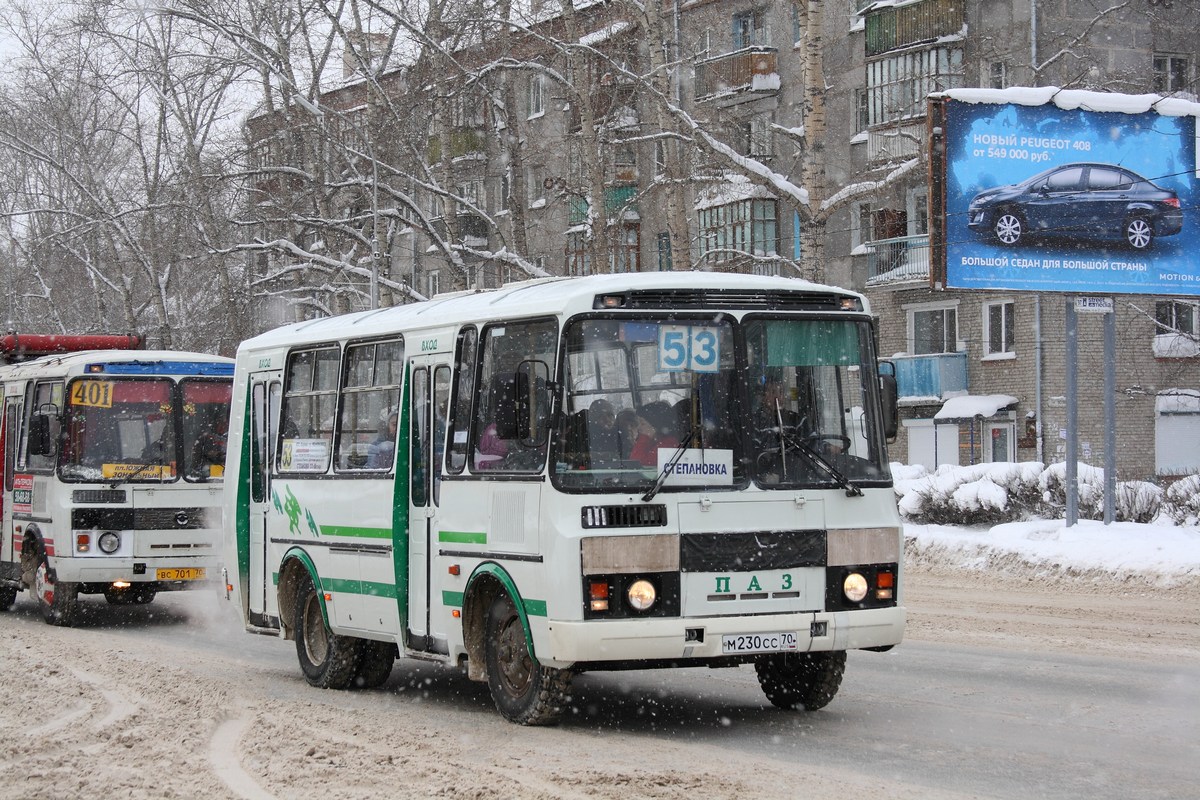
<point>463,537</point>
<point>361,533</point>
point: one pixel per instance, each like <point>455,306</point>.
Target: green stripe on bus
<point>351,586</point>
<point>463,537</point>
<point>362,533</point>
<point>534,608</point>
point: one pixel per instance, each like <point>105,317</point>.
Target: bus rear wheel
<point>58,600</point>
<point>375,664</point>
<point>328,661</point>
<point>801,680</point>
<point>524,691</point>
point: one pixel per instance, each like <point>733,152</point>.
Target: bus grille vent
<point>85,496</point>
<point>624,516</point>
<point>732,299</point>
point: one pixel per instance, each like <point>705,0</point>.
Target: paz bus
<point>565,475</point>
<point>113,461</point>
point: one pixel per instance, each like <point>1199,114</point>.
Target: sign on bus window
<point>694,348</point>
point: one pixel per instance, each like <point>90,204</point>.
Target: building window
<point>1176,431</point>
<point>660,158</point>
<point>505,191</point>
<point>797,23</point>
<point>996,75</point>
<point>757,134</point>
<point>579,259</point>
<point>998,328</point>
<point>750,29</point>
<point>933,330</point>
<point>625,248</point>
<point>861,225</point>
<point>1175,331</point>
<point>918,212</point>
<point>433,283</point>
<point>862,114</point>
<point>625,164</point>
<point>748,226</point>
<point>1170,74</point>
<point>898,85</point>
<point>534,191</point>
<point>537,95</point>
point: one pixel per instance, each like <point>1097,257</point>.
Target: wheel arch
<point>296,564</point>
<point>487,582</point>
<point>32,543</point>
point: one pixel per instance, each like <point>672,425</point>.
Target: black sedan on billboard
<point>1078,201</point>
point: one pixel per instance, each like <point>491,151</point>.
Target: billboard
<point>1060,196</point>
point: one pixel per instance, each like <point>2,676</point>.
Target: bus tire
<point>524,691</point>
<point>801,680</point>
<point>58,601</point>
<point>328,660</point>
<point>375,665</point>
<point>8,596</point>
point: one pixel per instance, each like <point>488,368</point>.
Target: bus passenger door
<point>8,449</point>
<point>429,397</point>
<point>265,394</point>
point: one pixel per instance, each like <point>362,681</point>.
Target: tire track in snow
<point>223,755</point>
<point>119,707</point>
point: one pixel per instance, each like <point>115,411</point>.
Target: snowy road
<point>1006,690</point>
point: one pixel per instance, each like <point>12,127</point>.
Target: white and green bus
<point>562,475</point>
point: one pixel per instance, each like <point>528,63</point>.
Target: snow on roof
<point>604,34</point>
<point>1070,99</point>
<point>730,190</point>
<point>971,406</point>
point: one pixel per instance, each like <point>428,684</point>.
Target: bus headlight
<point>641,594</point>
<point>854,587</point>
<point>109,542</point>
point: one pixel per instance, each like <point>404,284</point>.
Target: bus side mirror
<point>889,395</point>
<point>40,441</point>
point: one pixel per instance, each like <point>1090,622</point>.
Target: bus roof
<point>121,362</point>
<point>536,297</point>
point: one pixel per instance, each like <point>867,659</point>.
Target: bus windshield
<point>641,394</point>
<point>144,430</point>
<point>667,403</point>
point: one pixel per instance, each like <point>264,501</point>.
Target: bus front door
<point>428,397</point>
<point>265,394</point>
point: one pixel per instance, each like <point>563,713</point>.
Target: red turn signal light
<point>598,591</point>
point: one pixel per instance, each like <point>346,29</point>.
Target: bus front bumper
<point>704,638</point>
<point>179,573</point>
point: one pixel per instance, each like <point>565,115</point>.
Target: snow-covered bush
<point>1182,501</point>
<point>989,494</point>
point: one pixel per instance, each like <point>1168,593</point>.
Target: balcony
<point>894,27</point>
<point>750,70</point>
<point>932,377</point>
<point>898,140</point>
<point>899,260</point>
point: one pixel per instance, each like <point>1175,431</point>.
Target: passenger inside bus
<point>209,450</point>
<point>656,429</point>
<point>381,451</point>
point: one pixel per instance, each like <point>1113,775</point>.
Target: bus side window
<point>42,426</point>
<point>370,406</point>
<point>464,392</point>
<point>310,397</point>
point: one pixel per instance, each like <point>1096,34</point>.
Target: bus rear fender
<point>31,545</point>
<point>488,581</point>
<point>295,564</point>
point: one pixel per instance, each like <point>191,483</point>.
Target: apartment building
<point>577,142</point>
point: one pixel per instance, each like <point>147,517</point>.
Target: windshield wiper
<point>667,468</point>
<point>829,469</point>
<point>137,472</point>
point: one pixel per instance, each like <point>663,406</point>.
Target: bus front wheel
<point>801,680</point>
<point>524,691</point>
<point>58,600</point>
<point>328,661</point>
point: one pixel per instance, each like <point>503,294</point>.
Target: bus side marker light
<point>328,597</point>
<point>598,590</point>
<point>455,613</point>
<point>454,569</point>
